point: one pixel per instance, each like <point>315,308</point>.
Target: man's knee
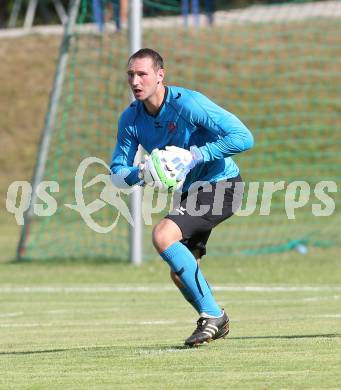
<point>165,233</point>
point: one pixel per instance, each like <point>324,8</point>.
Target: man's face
<point>143,79</point>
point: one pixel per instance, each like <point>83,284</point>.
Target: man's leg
<point>221,324</point>
<point>166,239</point>
<point>225,197</point>
<point>177,281</point>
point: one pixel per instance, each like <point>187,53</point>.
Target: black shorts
<point>198,211</point>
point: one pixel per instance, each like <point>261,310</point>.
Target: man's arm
<point>234,136</point>
<point>123,157</point>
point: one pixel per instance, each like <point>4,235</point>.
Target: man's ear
<point>160,75</point>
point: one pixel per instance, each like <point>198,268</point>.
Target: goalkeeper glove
<point>155,173</point>
<point>181,161</point>
<point>142,171</point>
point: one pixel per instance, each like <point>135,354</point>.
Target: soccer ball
<point>156,173</point>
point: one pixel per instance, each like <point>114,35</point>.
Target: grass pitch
<point>77,325</point>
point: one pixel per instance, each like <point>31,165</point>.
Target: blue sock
<point>189,298</point>
<point>183,263</point>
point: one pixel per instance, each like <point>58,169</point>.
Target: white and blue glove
<point>181,161</point>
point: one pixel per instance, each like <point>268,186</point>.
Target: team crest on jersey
<point>171,126</point>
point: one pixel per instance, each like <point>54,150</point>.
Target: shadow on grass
<point>116,348</point>
<point>137,349</point>
<point>36,352</point>
<point>163,348</point>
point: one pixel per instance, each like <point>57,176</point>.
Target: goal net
<point>277,67</point>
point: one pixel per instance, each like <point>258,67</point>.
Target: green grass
<point>74,328</point>
<point>80,324</point>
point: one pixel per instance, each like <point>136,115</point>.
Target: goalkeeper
<point>200,137</point>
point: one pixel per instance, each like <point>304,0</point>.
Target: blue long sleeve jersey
<point>185,118</point>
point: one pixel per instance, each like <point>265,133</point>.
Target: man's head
<point>145,73</point>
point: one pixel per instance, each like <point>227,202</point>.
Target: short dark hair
<point>154,55</point>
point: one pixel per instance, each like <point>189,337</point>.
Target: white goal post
<point>135,39</point>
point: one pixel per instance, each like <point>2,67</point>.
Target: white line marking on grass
<point>159,288</point>
<point>313,299</point>
<point>15,314</point>
<point>272,288</point>
<point>86,289</point>
<point>24,325</point>
<point>90,323</point>
<point>85,310</point>
<point>112,323</point>
<point>271,301</point>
